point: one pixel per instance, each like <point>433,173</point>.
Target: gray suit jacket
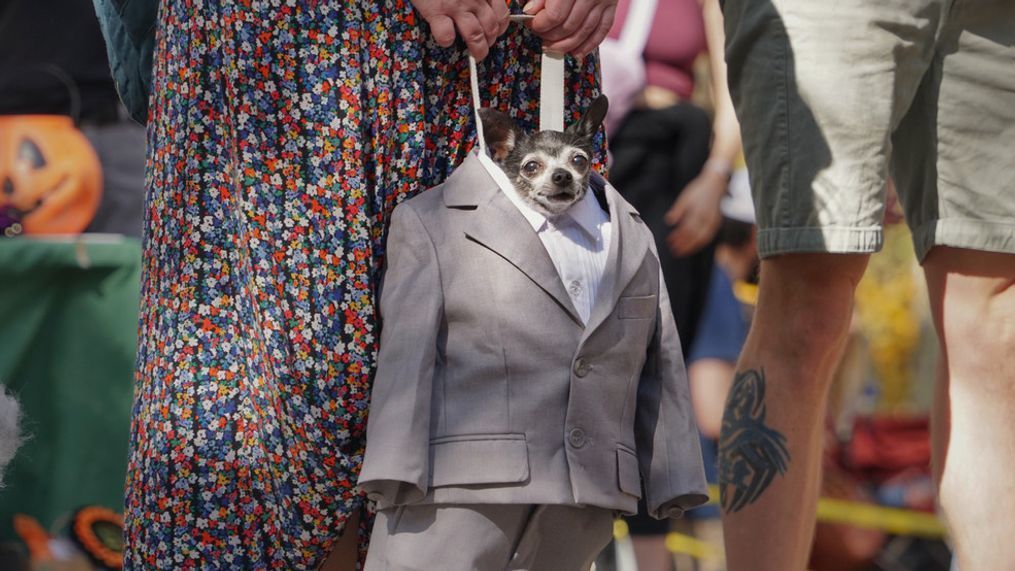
<point>490,390</point>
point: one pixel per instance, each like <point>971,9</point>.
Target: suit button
<point>581,367</point>
<point>576,437</point>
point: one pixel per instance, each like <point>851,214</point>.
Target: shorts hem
<point>830,240</point>
<point>966,233</point>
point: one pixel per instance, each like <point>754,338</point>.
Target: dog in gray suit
<point>530,384</point>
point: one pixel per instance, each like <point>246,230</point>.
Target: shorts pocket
<point>637,307</point>
<point>470,459</point>
<point>628,476</point>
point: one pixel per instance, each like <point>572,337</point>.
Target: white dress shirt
<point>578,241</point>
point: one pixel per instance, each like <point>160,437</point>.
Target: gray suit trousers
<point>488,537</point>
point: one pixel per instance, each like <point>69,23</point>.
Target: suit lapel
<point>500,227</point>
<point>628,246</point>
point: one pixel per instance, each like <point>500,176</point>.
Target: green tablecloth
<point>68,337</point>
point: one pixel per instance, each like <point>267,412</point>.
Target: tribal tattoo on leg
<point>750,453</point>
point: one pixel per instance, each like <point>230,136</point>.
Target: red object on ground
<point>883,447</point>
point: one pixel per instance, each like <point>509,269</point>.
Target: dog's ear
<point>590,122</point>
<point>500,131</point>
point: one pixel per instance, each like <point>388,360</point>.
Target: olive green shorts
<point>832,93</point>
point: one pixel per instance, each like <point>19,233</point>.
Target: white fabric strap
<point>637,25</point>
<point>477,104</point>
<point>551,93</point>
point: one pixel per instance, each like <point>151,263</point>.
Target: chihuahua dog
<point>549,169</point>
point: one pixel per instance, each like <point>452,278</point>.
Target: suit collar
<point>628,247</point>
<point>587,215</point>
<point>498,225</point>
<point>470,184</point>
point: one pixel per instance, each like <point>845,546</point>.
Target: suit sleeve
<point>669,452</point>
<point>396,464</point>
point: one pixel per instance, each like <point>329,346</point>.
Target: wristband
<point>719,166</point>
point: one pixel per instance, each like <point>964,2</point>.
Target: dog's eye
<point>579,162</point>
<point>531,167</point>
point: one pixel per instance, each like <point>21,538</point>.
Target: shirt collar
<point>586,212</point>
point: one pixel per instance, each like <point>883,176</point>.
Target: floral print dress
<point>281,135</point>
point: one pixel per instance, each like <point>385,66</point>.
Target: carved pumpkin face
<point>50,177</point>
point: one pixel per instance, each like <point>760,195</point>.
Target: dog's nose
<point>561,177</point>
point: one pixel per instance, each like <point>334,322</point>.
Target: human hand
<point>695,214</point>
<point>479,22</point>
<point>571,26</point>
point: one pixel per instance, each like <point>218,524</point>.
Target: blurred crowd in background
<point>72,161</point>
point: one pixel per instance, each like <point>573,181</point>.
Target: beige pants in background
<point>832,95</point>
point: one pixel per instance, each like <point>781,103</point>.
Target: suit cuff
<point>676,507</point>
<point>390,493</point>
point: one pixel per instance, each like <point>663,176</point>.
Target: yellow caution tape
<point>680,543</point>
<point>746,293</point>
<point>620,529</point>
<point>891,520</point>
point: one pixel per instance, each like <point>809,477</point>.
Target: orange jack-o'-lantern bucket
<point>50,176</point>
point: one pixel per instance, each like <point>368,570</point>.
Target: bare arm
<point>710,384</point>
<point>695,214</point>
<point>725,127</point>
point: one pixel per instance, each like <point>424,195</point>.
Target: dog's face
<point>549,169</point>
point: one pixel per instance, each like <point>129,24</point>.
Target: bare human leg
<point>973,302</point>
<point>344,553</point>
<point>772,430</point>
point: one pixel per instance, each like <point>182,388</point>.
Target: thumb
<point>534,6</point>
<point>676,212</point>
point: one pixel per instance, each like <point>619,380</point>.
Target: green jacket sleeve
<point>129,29</point>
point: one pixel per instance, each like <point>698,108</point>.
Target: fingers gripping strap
<point>551,95</point>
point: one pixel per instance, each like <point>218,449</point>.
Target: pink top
<point>676,39</point>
